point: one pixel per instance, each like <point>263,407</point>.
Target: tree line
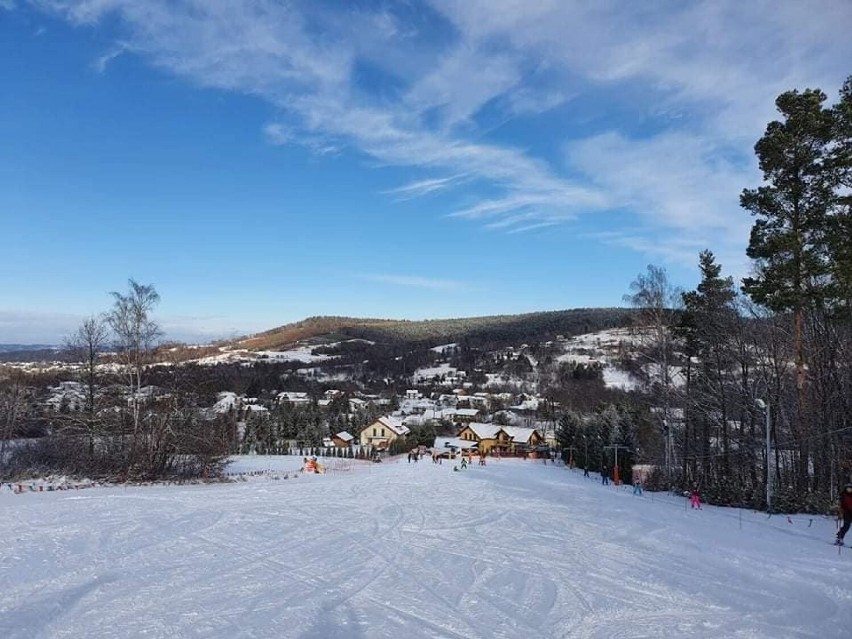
<point>751,386</point>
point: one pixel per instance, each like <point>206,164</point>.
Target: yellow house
<point>493,438</point>
<point>490,437</point>
<point>523,438</point>
<point>383,431</point>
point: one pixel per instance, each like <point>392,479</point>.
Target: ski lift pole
<point>615,474</point>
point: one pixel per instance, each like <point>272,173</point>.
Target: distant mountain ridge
<point>29,352</point>
<point>537,326</point>
<point>12,348</point>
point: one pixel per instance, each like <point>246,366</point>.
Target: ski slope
<point>514,549</point>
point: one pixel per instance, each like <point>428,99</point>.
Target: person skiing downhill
<point>695,498</point>
<point>844,512</point>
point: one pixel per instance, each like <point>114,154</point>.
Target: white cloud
<point>687,89</point>
<point>278,134</point>
<point>462,83</point>
<point>100,64</point>
<point>424,187</point>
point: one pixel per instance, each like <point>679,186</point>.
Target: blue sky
<point>260,161</point>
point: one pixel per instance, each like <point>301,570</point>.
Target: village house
<point>293,397</point>
<point>523,439</point>
<point>383,431</point>
<point>493,438</point>
<point>465,415</point>
<point>356,403</point>
<point>488,437</point>
<point>342,439</point>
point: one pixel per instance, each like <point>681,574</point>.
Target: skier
<point>695,498</point>
<point>844,512</point>
<point>605,476</point>
<point>463,462</point>
<point>637,487</point>
<point>586,471</point>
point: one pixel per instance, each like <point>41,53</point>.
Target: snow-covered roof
<point>395,424</point>
<point>293,397</point>
<point>225,401</point>
<point>519,434</point>
<point>344,436</point>
<point>484,431</point>
<point>466,412</point>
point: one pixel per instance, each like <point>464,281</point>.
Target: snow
<point>444,369</point>
<point>512,549</point>
<point>440,349</point>
<point>227,355</point>
<point>616,378</point>
<point>303,354</point>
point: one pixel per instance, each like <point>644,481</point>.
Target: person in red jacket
<point>845,512</point>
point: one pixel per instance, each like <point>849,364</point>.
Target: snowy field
<point>514,549</point>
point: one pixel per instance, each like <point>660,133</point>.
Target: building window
<point>374,432</point>
<point>383,432</point>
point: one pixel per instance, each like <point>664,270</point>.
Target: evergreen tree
<point>788,237</point>
<point>705,326</point>
<point>567,433</point>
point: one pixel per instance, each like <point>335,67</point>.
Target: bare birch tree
<point>135,335</point>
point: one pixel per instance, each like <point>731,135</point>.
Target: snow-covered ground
<point>513,549</point>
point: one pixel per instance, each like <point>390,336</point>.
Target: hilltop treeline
<point>481,332</point>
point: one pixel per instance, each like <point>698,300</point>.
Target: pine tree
<point>705,325</point>
<point>788,237</point>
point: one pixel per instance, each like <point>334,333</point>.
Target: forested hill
<point>532,327</point>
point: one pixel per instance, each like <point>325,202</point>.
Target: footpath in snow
<point>513,549</point>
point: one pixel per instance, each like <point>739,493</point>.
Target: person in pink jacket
<point>695,498</point>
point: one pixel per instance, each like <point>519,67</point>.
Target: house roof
<point>520,435</point>
<point>484,431</point>
<point>294,397</point>
<point>395,424</point>
<point>467,412</point>
<point>344,436</point>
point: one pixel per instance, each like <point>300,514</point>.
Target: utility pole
<point>764,406</point>
<point>616,447</point>
<point>668,451</point>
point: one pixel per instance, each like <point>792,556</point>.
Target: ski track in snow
<point>513,549</point>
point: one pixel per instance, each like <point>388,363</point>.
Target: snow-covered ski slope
<point>514,549</point>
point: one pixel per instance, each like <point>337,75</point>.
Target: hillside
<point>534,327</point>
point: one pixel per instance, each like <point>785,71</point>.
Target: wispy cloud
<point>279,134</point>
<point>692,86</point>
<point>425,187</point>
<point>100,64</point>
<point>413,281</point>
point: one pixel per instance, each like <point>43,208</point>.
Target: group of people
<point>844,508</point>
<point>694,494</point>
